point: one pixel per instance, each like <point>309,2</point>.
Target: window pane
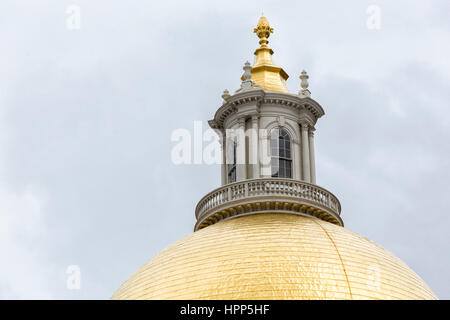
<point>288,150</point>
<point>274,134</point>
<point>275,171</point>
<point>285,134</point>
<point>274,152</point>
<point>274,147</point>
<point>288,171</point>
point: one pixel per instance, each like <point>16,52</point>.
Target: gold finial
<point>263,31</point>
<point>264,73</point>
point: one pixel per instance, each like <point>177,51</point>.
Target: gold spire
<point>264,72</point>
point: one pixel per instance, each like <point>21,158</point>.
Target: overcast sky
<point>86,115</point>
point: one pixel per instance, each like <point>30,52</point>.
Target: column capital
<point>304,125</point>
<point>241,121</point>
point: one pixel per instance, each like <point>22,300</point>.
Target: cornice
<point>260,97</point>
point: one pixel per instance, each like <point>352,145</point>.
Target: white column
<point>254,147</point>
<point>312,159</point>
<point>241,166</point>
<point>295,152</point>
<point>264,154</point>
<point>305,153</point>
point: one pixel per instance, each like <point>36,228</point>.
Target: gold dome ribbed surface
<point>274,256</point>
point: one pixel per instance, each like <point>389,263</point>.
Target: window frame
<point>283,154</point>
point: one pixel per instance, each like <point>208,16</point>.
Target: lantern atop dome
<point>267,143</point>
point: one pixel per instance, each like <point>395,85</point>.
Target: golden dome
<point>274,256</point>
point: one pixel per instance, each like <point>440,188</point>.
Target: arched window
<point>232,166</point>
<point>280,148</point>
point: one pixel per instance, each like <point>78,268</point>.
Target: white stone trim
<point>278,195</point>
